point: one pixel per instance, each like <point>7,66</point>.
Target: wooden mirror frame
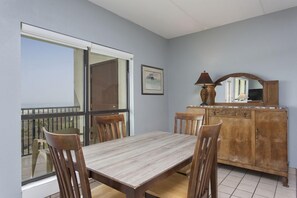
<point>270,91</point>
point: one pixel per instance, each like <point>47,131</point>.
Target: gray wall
<point>83,20</point>
<point>265,46</point>
<point>10,170</point>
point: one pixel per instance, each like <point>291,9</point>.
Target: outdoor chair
<point>39,147</point>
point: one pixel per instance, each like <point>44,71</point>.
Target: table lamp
<point>204,80</point>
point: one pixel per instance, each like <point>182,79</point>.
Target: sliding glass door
<point>62,88</point>
<point>108,88</point>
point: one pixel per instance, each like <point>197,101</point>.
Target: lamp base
<point>204,95</point>
<point>203,104</point>
<point>211,94</point>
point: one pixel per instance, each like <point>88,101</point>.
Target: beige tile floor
<point>241,183</point>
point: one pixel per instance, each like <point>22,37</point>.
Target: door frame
<point>99,49</point>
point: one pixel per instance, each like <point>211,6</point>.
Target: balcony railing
<point>52,118</point>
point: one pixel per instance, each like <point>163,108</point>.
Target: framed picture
<point>152,80</point>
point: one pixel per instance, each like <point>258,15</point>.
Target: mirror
<point>239,88</point>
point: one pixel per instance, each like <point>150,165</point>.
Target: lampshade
<point>204,79</point>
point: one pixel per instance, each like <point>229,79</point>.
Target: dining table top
<point>133,163</point>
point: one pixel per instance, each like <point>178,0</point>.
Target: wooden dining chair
<point>70,167</point>
<point>188,123</point>
<point>110,127</point>
<point>203,165</point>
<point>39,148</point>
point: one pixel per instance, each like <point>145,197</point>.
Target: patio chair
<point>39,148</point>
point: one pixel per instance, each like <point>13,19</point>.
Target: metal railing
<point>52,118</point>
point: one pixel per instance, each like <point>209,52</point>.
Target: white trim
<point>41,188</point>
<point>131,96</point>
<point>99,49</point>
<point>51,36</point>
<point>47,35</point>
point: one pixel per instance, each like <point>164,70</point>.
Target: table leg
<point>136,194</point>
<point>213,178</point>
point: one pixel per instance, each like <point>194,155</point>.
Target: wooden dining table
<point>132,164</point>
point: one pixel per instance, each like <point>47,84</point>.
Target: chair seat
<point>174,186</point>
<point>185,170</point>
<point>106,192</point>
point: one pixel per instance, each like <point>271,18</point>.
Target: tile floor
<point>241,183</point>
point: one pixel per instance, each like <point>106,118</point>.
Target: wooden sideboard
<point>251,137</point>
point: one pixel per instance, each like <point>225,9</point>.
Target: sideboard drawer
<point>225,112</point>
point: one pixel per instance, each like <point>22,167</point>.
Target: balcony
<point>53,119</point>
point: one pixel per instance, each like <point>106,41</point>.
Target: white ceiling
<point>173,18</point>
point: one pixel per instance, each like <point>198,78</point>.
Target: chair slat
<point>68,160</point>
<point>64,148</point>
<point>110,127</point>
<point>203,160</point>
<point>187,123</point>
<point>40,146</point>
<point>202,164</point>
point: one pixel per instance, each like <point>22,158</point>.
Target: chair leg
<point>49,163</point>
<point>35,153</point>
<point>214,178</point>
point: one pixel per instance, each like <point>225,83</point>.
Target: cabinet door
<point>236,135</point>
<point>271,140</point>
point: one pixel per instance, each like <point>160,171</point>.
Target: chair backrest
<point>203,160</point>
<point>188,123</point>
<point>68,160</point>
<point>68,131</point>
<point>110,127</point>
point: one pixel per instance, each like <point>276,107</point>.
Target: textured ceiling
<point>173,18</point>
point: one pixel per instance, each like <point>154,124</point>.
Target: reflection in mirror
<point>239,89</point>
